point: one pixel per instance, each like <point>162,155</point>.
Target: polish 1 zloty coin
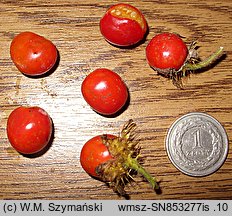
<point>197,144</point>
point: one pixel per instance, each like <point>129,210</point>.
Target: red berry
<point>166,51</point>
<point>123,25</point>
<point>104,91</point>
<point>33,54</point>
<point>94,153</point>
<point>29,129</point>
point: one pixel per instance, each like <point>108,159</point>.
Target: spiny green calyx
<point>125,163</point>
<point>192,63</point>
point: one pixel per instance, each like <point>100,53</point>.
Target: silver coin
<point>197,144</point>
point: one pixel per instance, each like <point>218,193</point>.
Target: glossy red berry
<point>33,54</point>
<point>166,51</point>
<point>123,25</point>
<point>94,153</point>
<point>29,129</point>
<point>104,91</point>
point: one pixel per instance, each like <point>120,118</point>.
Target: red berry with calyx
<point>114,159</point>
<point>168,54</point>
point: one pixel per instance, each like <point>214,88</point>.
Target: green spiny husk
<point>126,154</point>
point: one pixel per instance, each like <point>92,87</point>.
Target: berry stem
<point>133,164</point>
<point>204,63</point>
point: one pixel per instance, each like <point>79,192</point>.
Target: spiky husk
<point>126,154</point>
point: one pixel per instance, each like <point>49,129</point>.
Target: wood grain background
<point>155,103</point>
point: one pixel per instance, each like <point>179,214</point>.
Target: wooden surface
<point>155,103</point>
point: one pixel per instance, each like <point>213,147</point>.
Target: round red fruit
<point>123,25</point>
<point>166,51</point>
<point>33,54</point>
<point>104,91</point>
<point>94,153</point>
<point>29,129</point>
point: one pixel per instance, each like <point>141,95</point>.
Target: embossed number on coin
<point>197,144</point>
